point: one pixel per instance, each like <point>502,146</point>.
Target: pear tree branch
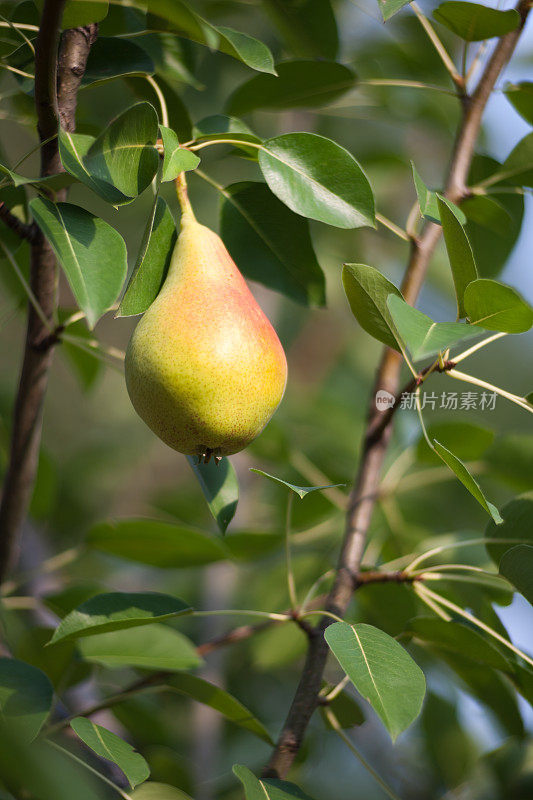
<point>59,68</point>
<point>365,491</point>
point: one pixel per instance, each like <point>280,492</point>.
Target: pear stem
<point>183,196</point>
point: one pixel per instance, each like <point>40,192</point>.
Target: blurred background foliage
<point>99,462</point>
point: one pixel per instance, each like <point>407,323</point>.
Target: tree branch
<point>379,429</point>
<point>55,100</point>
<point>22,229</point>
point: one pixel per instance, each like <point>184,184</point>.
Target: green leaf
<point>152,263</point>
<point>391,7</point>
<point>381,671</point>
<point>517,526</point>
<point>488,213</point>
<point>460,253</point>
<point>267,788</point>
<point>218,125</point>
<point>467,441</point>
<point>176,159</point>
<point>178,115</point>
<point>517,566</point>
<point>113,57</point>
<point>474,22</point>
<point>367,291</point>
<point>91,253</point>
<point>115,610</point>
<point>301,491</point>
<point>517,169</point>
<point>158,791</point>
<point>510,460</point>
<point>210,695</point>
<point>421,335</point>
<point>306,84</point>
<point>427,200</point>
<point>346,709</point>
<point>308,26</point>
<point>520,95</point>
<point>458,638</point>
<point>122,161</point>
<point>319,179</point>
<point>248,546</point>
<point>468,481</point>
<point>220,487</point>
<point>247,49</point>
<point>25,697</point>
<point>156,647</point>
<point>111,747</point>
<point>270,243</point>
<point>159,544</point>
<point>497,307</point>
<point>79,13</point>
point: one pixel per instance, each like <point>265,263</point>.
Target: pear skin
<point>205,369</point>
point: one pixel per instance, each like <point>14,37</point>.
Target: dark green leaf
<point>474,22</point>
<point>301,491</point>
<point>488,213</point>
<point>467,441</point>
<point>115,610</point>
<point>318,179</point>
<point>270,243</point>
<point>25,697</point>
<point>346,709</point>
<point>421,335</point>
<point>267,788</point>
<point>247,546</point>
<point>517,169</point>
<point>517,527</point>
<point>177,159</point>
<point>159,544</point>
<point>152,263</point>
<point>521,97</point>
<point>79,13</point>
<point>178,115</point>
<point>113,57</point>
<point>218,125</point>
<point>468,481</point>
<point>460,253</point>
<point>156,647</point>
<point>308,26</point>
<point>306,84</point>
<point>458,638</point>
<point>381,670</point>
<point>497,307</point>
<point>91,253</point>
<point>517,566</point>
<point>367,291</point>
<point>122,161</point>
<point>111,747</point>
<point>510,460</point>
<point>210,695</point>
<point>220,487</point>
<point>245,48</point>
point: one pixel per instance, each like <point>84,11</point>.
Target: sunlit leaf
<point>108,745</point>
<point>367,291</point>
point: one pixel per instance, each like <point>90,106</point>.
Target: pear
<point>205,369</point>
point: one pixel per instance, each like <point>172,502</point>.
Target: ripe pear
<point>205,369</point>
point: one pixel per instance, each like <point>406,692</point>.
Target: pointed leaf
<point>301,491</point>
<point>115,610</point>
<point>521,97</point>
<point>152,263</point>
<point>460,253</point>
<point>468,481</point>
<point>517,169</point>
<point>111,747</point>
<point>122,161</point>
<point>517,527</point>
<point>267,788</point>
<point>391,7</point>
<point>220,487</point>
<point>306,84</point>
<point>25,697</point>
<point>156,647</point>
<point>176,159</point>
<point>427,200</point>
<point>250,51</point>
<point>517,566</point>
<point>113,57</point>
<point>270,243</point>
<point>421,335</point>
<point>318,179</point>
<point>474,22</point>
<point>381,671</point>
<point>497,307</point>
<point>91,253</point>
<point>157,543</point>
<point>367,291</point>
<point>210,695</point>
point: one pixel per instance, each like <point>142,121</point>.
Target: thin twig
<point>22,229</point>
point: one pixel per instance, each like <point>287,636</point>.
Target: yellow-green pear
<point>205,369</point>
